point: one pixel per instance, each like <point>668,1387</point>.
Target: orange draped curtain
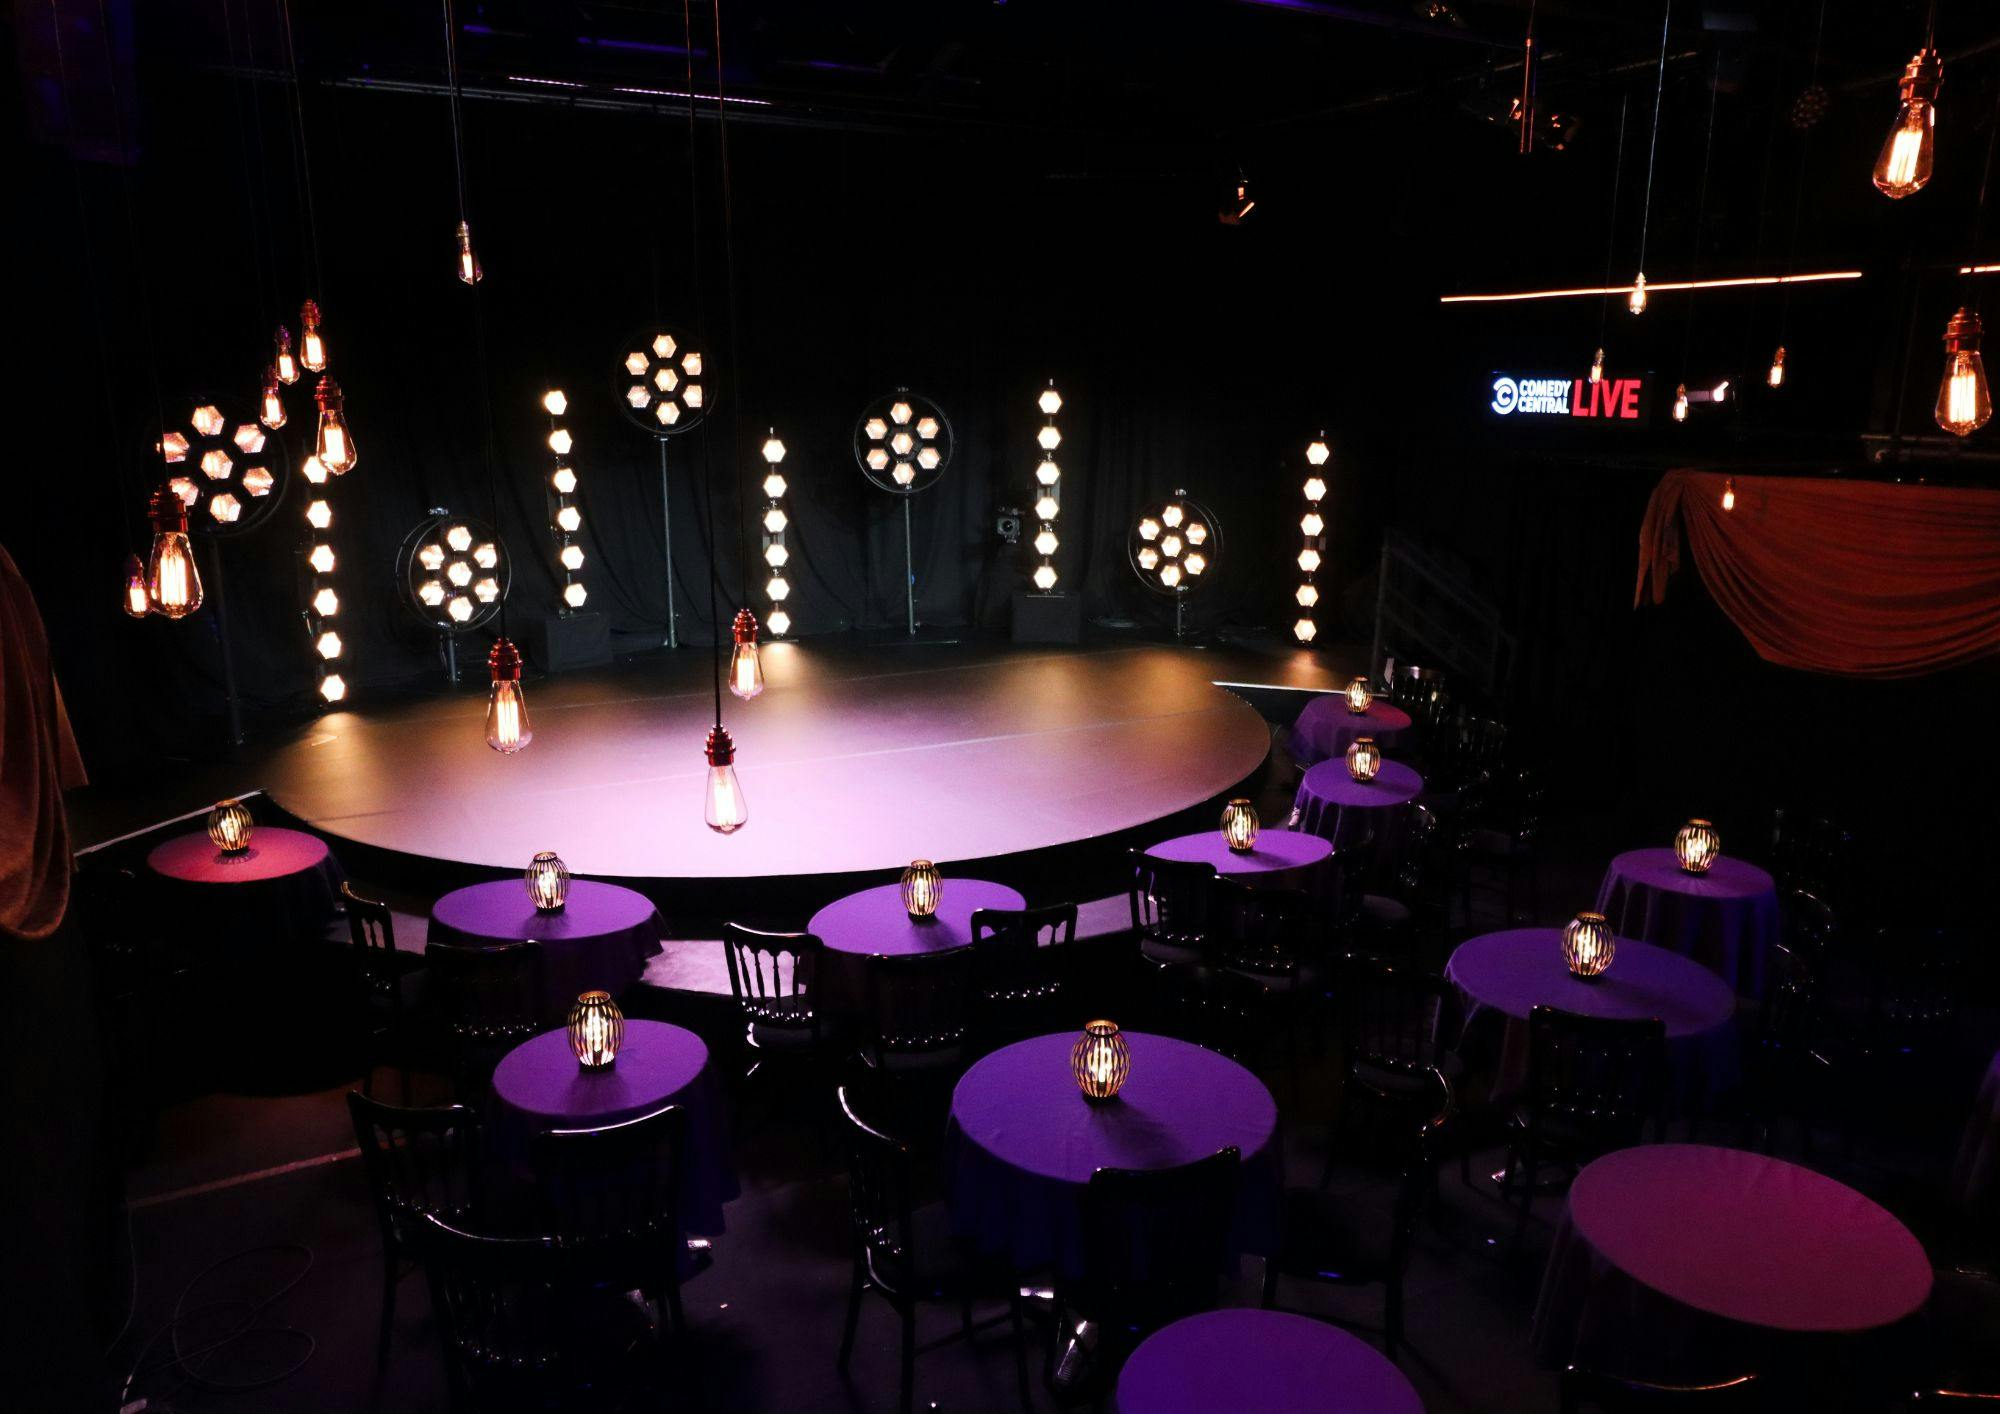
<point>38,760</point>
<point>1857,578</point>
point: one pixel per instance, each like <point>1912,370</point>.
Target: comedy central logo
<point>1542,395</point>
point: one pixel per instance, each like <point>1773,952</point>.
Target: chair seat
<point>1489,843</point>
<point>944,1058</point>
<point>1396,1084</point>
<point>412,988</point>
<point>1325,1238</point>
<point>1565,1137</point>
<point>782,1036</point>
<point>1379,911</point>
<point>1172,954</point>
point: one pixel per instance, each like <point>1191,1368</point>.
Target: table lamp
<point>1697,846</point>
<point>923,888</point>
<point>229,825</point>
<point>1100,1061</point>
<point>548,882</point>
<point>596,1030</point>
<point>1364,758</point>
<point>1239,826</point>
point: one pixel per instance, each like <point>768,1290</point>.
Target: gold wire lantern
<point>1358,696</point>
<point>1239,825</point>
<point>923,888</point>
<point>1588,946</point>
<point>1364,758</point>
<point>1100,1061</point>
<point>596,1030</point>
<point>548,882</point>
<point>1697,846</point>
<point>229,825</point>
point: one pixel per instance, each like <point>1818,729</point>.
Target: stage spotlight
<point>1312,525</point>
<point>444,577</point>
<point>776,553</point>
<point>1164,559</point>
<point>903,443</point>
<point>564,518</point>
<point>241,468</point>
<point>662,388</point>
<point>1048,481</point>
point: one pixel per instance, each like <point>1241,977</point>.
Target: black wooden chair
<point>389,992</point>
<point>1812,853</point>
<point>419,1162</point>
<point>620,1185</point>
<point>1154,1245</point>
<point>902,1252</point>
<point>536,1322</point>
<point>1593,1083</point>
<point>1895,1062</point>
<point>1406,902</point>
<point>1396,1021</point>
<point>1325,1239</point>
<point>1499,841</point>
<point>1270,969</point>
<point>1616,1394</point>
<point>488,1000</point>
<point>772,976</point>
<point>1170,901</point>
<point>141,987</point>
<point>1020,970</point>
<point>912,1047</point>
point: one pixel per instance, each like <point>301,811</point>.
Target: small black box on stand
<point>1048,618</point>
<point>558,643</point>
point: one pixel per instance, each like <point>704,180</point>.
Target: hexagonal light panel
<point>321,558</point>
<point>258,481</point>
<point>1174,547</point>
<point>564,480</point>
<point>319,515</point>
<point>328,645</point>
<point>459,539</point>
<point>569,519</point>
<point>487,555</point>
<point>908,437</point>
<point>663,346</point>
<point>636,396</point>
<point>459,573</point>
<point>207,420</point>
<point>326,603</point>
<point>216,465</point>
<point>655,383</point>
<point>250,438</point>
<point>574,595</point>
<point>225,508</point>
<point>635,364</point>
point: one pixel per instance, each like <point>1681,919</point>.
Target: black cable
<point>701,334</point>
<point>179,1359</point>
<point>737,402</point>
<point>1799,196</point>
<point>254,224</point>
<point>1701,213</point>
<point>452,100</point>
<point>1653,151</point>
<point>1979,214</point>
<point>1611,231</point>
<point>302,168</point>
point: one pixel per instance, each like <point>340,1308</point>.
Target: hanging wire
<point>701,334</point>
<point>252,194</point>
<point>1611,232</point>
<point>457,119</point>
<point>302,158</point>
<point>1701,211</point>
<point>737,402</point>
<point>1799,196</point>
<point>1979,215</point>
<point>1653,151</point>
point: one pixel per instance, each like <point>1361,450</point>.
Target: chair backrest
<point>1154,1240</point>
<point>1266,932</point>
<point>418,1161</point>
<point>1808,924</point>
<point>1918,984</point>
<point>1429,1114</point>
<point>1343,882</point>
<point>1810,852</point>
<point>618,1182</point>
<point>1599,1074</point>
<point>771,975</point>
<point>1020,957</point>
<point>1170,900</point>
<point>1617,1394</point>
<point>917,1002</point>
<point>1394,1017</point>
<point>109,911</point>
<point>490,994</point>
<point>878,1195</point>
<point>372,930</point>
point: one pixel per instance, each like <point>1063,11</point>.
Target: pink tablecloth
<point>1325,729</point>
<point>285,886</point>
<point>1283,859</point>
<point>1684,1261</point>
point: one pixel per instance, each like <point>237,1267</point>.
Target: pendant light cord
<point>701,334</point>
<point>1653,150</point>
<point>1611,233</point>
<point>1799,193</point>
<point>1979,214</point>
<point>1701,213</point>
<point>302,181</point>
<point>736,401</point>
<point>457,120</point>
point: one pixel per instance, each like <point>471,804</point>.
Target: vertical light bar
<point>322,602</point>
<point>776,588</point>
<point>1048,488</point>
<point>565,519</point>
<point>1312,526</point>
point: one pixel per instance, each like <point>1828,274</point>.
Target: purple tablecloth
<point>601,938</point>
<point>1682,1261</point>
<point>1022,1143</point>
<point>1260,1362</point>
<point>1501,977</point>
<point>1325,729</point>
<point>285,886</point>
<point>1332,804</point>
<point>1975,1174</point>
<point>1283,859</point>
<point>540,1086</point>
<point>1726,919</point>
<point>874,923</point>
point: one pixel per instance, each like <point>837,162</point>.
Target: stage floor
<point>854,760</point>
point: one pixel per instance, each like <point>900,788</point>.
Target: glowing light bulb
<point>572,557</point>
<point>1315,489</point>
<point>724,810</point>
<point>774,450</point>
<point>1597,367</point>
<point>574,595</point>
<point>271,406</point>
<point>173,584</point>
<point>746,668</point>
<point>1729,493</point>
<point>1048,473</point>
<point>312,344</point>
<point>564,480</point>
<point>284,362</point>
<point>469,271</point>
<point>1776,377</point>
<point>314,469</point>
<point>333,687</point>
<point>779,622</point>
<point>507,729</point>
<point>1681,403</point>
<point>335,445</point>
<point>1050,401</point>
<point>555,402</point>
<point>135,602</point>
<point>1636,301</point>
<point>1045,577</point>
<point>1965,402</point>
<point>1904,165</point>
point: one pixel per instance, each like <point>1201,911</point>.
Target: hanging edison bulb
<point>312,344</point>
<point>1597,367</point>
<point>1904,166</point>
<point>746,669</point>
<point>136,602</point>
<point>283,361</point>
<point>1964,402</point>
<point>469,271</point>
<point>724,810</point>
<point>271,405</point>
<point>1729,493</point>
<point>1681,402</point>
<point>335,445</point>
<point>173,584</point>
<point>1636,301</point>
<point>1776,377</point>
<point>507,729</point>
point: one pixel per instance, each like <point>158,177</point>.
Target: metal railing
<point>1430,612</point>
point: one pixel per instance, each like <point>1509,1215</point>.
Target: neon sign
<point>1609,399</point>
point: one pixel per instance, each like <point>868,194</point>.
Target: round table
<point>1282,859</point>
<point>1726,919</point>
<point>1501,977</point>
<point>1325,729</point>
<point>1260,1362</point>
<point>286,885</point>
<point>1682,1261</point>
<point>874,923</point>
<point>1022,1144</point>
<point>540,1086</point>
<point>600,938</point>
<point>1975,1173</point>
<point>1333,804</point>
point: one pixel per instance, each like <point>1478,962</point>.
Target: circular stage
<point>854,760</point>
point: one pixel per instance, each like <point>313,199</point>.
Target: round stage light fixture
<point>228,470</point>
<point>452,572</point>
<point>903,443</point>
<point>661,381</point>
<point>1174,548</point>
